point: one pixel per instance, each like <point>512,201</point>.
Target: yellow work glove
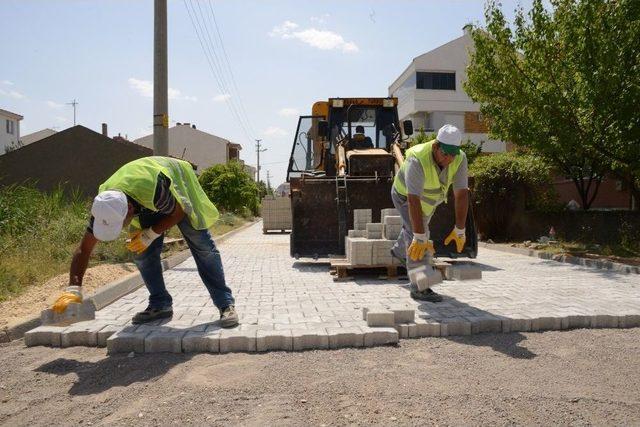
<point>71,294</point>
<point>141,240</point>
<point>419,246</point>
<point>457,234</point>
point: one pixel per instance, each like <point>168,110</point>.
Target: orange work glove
<point>70,295</point>
<point>459,235</point>
<point>419,245</point>
<point>141,240</point>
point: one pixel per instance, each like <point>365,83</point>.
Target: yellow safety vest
<point>138,179</point>
<point>434,192</point>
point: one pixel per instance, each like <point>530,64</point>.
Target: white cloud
<point>320,39</point>
<point>288,112</point>
<point>222,97</point>
<point>61,119</point>
<point>145,88</point>
<point>275,131</point>
<point>12,94</point>
<point>54,105</point>
<point>7,82</point>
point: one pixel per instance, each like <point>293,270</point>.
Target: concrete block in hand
<point>75,312</point>
<point>425,277</point>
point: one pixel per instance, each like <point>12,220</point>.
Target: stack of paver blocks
<point>75,312</point>
<point>367,243</point>
<point>276,213</point>
<point>401,318</point>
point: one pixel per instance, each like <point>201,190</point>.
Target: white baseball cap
<point>109,211</point>
<point>450,138</point>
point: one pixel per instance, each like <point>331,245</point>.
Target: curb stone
<point>569,259</point>
<point>114,290</point>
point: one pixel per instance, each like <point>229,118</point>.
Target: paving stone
<point>126,340</point>
<point>345,337</point>
<point>379,336</point>
<point>407,330</point>
<point>516,325</point>
<point>546,324</point>
<point>484,323</point>
<point>380,318</point>
<point>629,321</point>
<point>104,333</point>
<point>403,314</point>
<point>274,340</point>
<point>44,335</point>
<point>427,328</point>
<point>465,272</point>
<point>307,339</point>
<point>82,334</point>
<point>604,321</point>
<point>164,341</point>
<point>578,321</point>
<point>201,341</point>
<point>425,277</point>
<point>232,341</point>
<point>455,326</point>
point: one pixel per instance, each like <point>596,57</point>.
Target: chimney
<point>193,126</point>
<point>104,129</point>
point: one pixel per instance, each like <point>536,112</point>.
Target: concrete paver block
<point>455,326</point>
<point>546,324</point>
<point>75,312</point>
<point>604,321</point>
<point>380,318</point>
<point>345,337</point>
<point>164,341</point>
<point>356,233</point>
<point>274,340</point>
<point>126,340</point>
<point>403,314</point>
<point>629,321</point>
<point>465,271</point>
<point>83,333</point>
<point>388,212</point>
<point>425,277</point>
<point>305,339</point>
<point>427,328</point>
<point>104,333</point>
<point>380,336</point>
<point>201,342</point>
<point>232,340</point>
<point>485,323</point>
<point>444,268</point>
<point>44,335</point>
<point>576,321</point>
<point>407,330</point>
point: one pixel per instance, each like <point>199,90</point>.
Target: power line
<point>208,51</point>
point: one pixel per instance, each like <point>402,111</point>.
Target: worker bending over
<point>153,194</point>
<point>421,184</point>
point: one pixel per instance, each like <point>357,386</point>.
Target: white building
<point>36,136</point>
<point>9,130</point>
<point>198,147</point>
<point>430,93</point>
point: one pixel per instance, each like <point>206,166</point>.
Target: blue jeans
<point>208,261</point>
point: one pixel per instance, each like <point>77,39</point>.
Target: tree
<point>565,83</point>
<point>230,188</point>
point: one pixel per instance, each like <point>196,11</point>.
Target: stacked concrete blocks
<point>359,250</point>
<point>276,213</point>
<point>373,230</point>
<point>392,227</point>
<point>361,217</point>
<point>368,243</point>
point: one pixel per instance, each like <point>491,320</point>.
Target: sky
<point>266,62</point>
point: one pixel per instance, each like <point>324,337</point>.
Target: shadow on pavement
<point>113,371</point>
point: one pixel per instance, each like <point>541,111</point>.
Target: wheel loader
<point>344,157</point>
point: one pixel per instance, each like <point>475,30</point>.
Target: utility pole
<point>258,151</point>
<point>160,80</point>
<point>73,103</point>
<point>268,182</point>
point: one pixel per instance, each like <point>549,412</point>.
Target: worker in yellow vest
<point>421,184</point>
<point>153,194</point>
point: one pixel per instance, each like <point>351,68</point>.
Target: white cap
<point>109,211</point>
<point>450,135</point>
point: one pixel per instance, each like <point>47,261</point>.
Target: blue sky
<point>284,55</point>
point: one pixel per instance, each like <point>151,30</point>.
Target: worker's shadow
<point>113,371</point>
<point>452,310</point>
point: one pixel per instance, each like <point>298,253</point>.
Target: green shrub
<point>506,184</point>
<point>230,188</point>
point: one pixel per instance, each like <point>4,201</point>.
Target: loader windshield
<point>307,149</point>
<point>376,121</point>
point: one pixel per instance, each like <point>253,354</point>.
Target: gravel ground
<point>571,377</point>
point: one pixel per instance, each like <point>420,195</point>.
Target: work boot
<point>150,314</point>
<point>426,295</point>
<point>229,317</point>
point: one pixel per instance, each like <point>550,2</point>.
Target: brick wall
<point>610,194</point>
<point>473,124</point>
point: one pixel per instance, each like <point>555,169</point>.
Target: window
<point>438,81</point>
<point>10,128</point>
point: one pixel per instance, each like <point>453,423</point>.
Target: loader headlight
<point>337,103</point>
<point>387,102</point>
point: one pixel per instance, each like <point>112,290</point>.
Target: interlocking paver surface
<point>278,297</point>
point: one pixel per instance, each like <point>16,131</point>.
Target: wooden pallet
<point>340,269</point>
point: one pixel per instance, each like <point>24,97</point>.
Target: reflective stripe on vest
<point>138,179</point>
<point>433,192</point>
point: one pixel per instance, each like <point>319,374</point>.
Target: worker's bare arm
<point>170,220</point>
<point>81,259</point>
<point>461,197</point>
<point>415,213</point>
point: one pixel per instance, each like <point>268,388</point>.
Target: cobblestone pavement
<point>286,304</point>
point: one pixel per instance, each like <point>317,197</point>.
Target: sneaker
<point>229,317</point>
<point>151,314</point>
<point>427,295</point>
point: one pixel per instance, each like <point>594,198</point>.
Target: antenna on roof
<point>183,151</point>
<point>74,103</point>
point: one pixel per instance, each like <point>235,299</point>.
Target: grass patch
<point>625,252</point>
<point>39,233</point>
